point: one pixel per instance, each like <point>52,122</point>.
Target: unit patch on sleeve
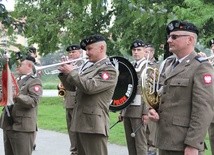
<point>37,88</point>
<point>207,78</point>
<point>105,75</point>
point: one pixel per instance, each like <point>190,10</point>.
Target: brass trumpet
<point>39,68</point>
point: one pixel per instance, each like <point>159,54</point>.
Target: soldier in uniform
<point>74,52</point>
<point>151,126</point>
<point>136,113</point>
<point>186,95</point>
<point>19,132</point>
<point>95,87</point>
<point>211,128</point>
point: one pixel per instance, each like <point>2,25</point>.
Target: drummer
<point>135,116</point>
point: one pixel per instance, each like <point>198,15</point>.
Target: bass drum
<point>126,87</point>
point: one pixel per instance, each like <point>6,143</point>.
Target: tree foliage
<point>54,24</point>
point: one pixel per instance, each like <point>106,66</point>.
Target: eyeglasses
<point>174,36</point>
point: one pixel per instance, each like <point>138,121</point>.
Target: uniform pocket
<point>180,82</point>
<point>180,121</point>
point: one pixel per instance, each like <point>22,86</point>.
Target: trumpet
<point>56,71</point>
<point>38,68</point>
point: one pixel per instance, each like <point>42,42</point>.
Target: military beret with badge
<point>30,58</point>
<point>73,47</point>
<point>137,43</point>
<point>177,25</point>
<point>90,40</point>
<point>32,49</point>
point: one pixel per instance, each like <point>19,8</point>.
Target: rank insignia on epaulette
<point>201,59</point>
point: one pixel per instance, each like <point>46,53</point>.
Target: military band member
<point>211,128</point>
<point>186,102</point>
<point>19,133</point>
<point>74,52</point>
<point>151,126</point>
<point>95,88</point>
<point>136,113</point>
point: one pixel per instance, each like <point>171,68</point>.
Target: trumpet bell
<point>149,87</point>
<point>61,92</point>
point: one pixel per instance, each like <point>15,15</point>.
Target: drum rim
<point>134,77</point>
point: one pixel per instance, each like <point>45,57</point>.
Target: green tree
<point>54,24</point>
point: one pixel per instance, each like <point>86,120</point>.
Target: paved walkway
<point>54,143</point>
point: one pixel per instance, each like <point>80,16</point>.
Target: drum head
<point>126,87</point>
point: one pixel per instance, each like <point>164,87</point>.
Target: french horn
<point>150,80</point>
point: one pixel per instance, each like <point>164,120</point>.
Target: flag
<point>9,86</point>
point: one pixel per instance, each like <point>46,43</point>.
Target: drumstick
<point>137,128</point>
<point>115,124</point>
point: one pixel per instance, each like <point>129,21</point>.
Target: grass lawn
<point>51,116</point>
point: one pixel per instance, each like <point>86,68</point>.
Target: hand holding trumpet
<point>66,68</point>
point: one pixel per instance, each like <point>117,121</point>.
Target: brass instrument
<point>61,90</point>
<point>150,82</point>
<point>55,70</point>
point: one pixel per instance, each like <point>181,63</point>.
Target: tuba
<point>150,84</point>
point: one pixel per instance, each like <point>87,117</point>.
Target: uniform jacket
<point>95,88</point>
<point>69,98</point>
<point>136,111</point>
<point>186,106</point>
<point>24,111</point>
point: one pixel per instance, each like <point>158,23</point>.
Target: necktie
<point>135,65</point>
<point>175,63</point>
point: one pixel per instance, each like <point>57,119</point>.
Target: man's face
<point>149,52</point>
<point>138,53</point>
<point>23,68</point>
<point>93,51</point>
<point>74,54</point>
<point>178,41</point>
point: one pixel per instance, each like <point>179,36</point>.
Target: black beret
<point>30,58</point>
<point>32,49</point>
<point>90,40</point>
<point>211,42</point>
<point>177,25</point>
<point>73,47</point>
<point>137,43</point>
<point>149,45</point>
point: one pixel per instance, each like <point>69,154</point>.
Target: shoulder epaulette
<point>201,59</point>
<point>34,76</point>
<point>108,63</point>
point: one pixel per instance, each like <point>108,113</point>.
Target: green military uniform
<point>132,117</point>
<point>186,106</point>
<point>19,135</point>
<point>69,101</point>
<point>95,88</point>
<point>151,126</point>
